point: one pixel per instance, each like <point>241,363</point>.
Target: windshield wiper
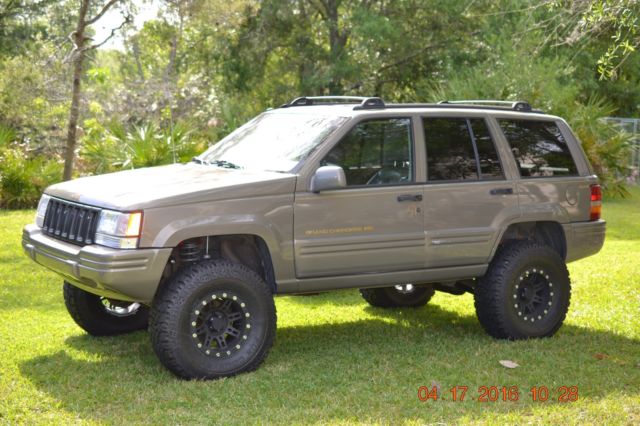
<point>225,164</point>
<point>198,160</point>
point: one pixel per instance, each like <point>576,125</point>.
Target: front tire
<point>399,296</point>
<point>100,316</point>
<point>214,319</point>
<point>525,293</point>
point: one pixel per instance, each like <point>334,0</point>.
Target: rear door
<point>375,224</point>
<point>467,196</point>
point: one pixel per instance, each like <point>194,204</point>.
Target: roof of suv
<point>351,105</point>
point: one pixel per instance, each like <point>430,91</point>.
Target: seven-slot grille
<point>71,222</point>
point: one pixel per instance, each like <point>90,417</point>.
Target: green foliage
<point>607,147</point>
<point>22,179</point>
<point>202,68</point>
<point>619,21</point>
<point>112,148</point>
<point>7,136</point>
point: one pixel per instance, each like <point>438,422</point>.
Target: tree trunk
<point>337,43</point>
<point>74,113</point>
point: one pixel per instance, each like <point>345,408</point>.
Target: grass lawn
<point>335,359</point>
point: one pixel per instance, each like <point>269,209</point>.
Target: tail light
<point>596,202</point>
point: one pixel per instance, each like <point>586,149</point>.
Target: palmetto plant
<point>606,145</point>
<point>7,135</point>
<point>22,179</point>
<point>145,145</point>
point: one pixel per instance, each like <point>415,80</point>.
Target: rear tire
<point>394,297</point>
<point>214,319</point>
<point>99,316</point>
<point>525,293</point>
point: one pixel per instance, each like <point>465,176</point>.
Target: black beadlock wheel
<point>100,316</point>
<point>398,296</point>
<point>214,319</point>
<point>525,293</point>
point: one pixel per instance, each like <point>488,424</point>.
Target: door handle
<point>409,197</point>
<point>501,191</point>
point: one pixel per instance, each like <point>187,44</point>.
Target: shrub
<point>606,145</point>
<point>7,135</point>
<point>112,148</point>
<point>22,179</point>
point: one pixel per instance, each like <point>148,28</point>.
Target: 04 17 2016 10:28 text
<point>498,393</point>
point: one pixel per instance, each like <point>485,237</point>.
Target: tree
<point>81,48</point>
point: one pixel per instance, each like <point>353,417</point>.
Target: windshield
<point>275,142</point>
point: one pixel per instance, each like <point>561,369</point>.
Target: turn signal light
<point>596,202</point>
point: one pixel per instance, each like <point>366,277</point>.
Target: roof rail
<point>367,103</point>
<point>362,101</point>
<point>324,100</point>
<point>514,105</point>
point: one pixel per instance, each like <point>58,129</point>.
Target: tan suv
<point>324,193</point>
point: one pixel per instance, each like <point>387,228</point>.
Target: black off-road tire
<point>390,297</point>
<point>525,293</point>
<point>213,319</point>
<point>93,315</point>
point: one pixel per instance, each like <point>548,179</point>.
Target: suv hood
<point>170,185</point>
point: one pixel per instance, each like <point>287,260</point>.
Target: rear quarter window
<point>539,148</point>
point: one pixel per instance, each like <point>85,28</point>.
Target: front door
<point>375,223</point>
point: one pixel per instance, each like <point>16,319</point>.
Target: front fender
<point>269,218</point>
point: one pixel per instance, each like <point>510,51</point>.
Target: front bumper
<point>131,275</point>
<point>584,238</point>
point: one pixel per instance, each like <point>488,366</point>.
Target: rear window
<point>539,148</point>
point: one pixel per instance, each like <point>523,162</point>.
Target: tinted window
<point>490,167</point>
<point>449,149</point>
<point>539,148</point>
<point>375,152</point>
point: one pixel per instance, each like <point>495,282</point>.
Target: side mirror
<point>328,177</point>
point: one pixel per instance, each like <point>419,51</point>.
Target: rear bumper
<point>584,238</point>
<point>122,274</point>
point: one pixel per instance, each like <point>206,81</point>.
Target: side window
<point>452,144</point>
<point>449,149</point>
<point>375,152</point>
<point>539,148</point>
<point>490,167</point>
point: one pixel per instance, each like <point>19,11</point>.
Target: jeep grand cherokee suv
<point>399,200</point>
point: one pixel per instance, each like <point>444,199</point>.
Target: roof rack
<point>362,101</point>
<point>514,105</point>
<point>365,103</point>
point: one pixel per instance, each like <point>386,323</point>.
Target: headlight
<point>119,230</point>
<point>42,209</point>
